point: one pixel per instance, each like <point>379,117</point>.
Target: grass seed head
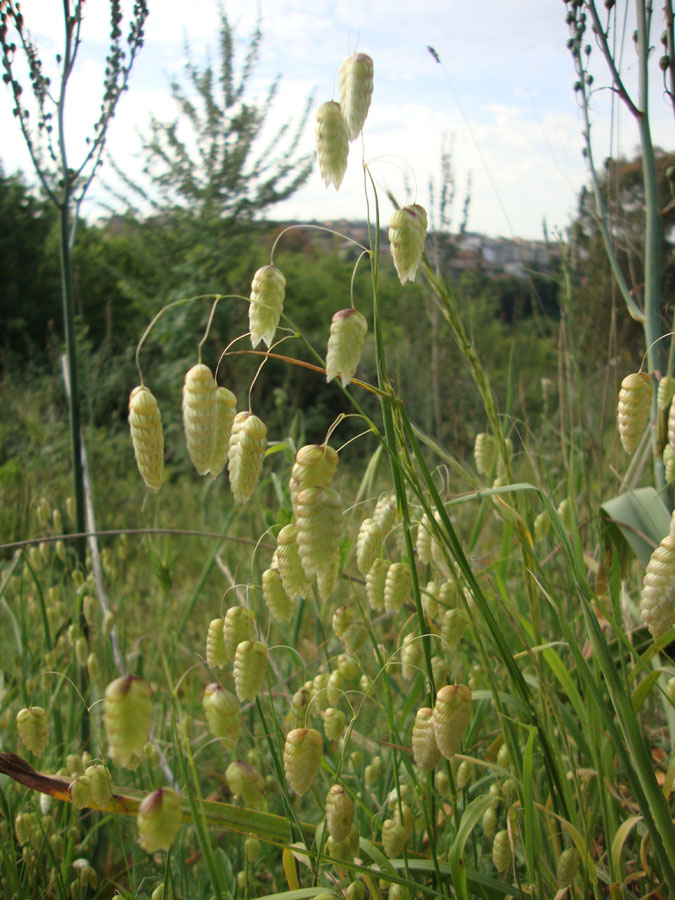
<point>339,813</point>
<point>452,712</point>
<point>245,781</point>
<point>635,399</point>
<point>425,749</point>
<point>216,654</point>
<point>397,586</point>
<point>147,437</point>
<point>250,666</point>
<point>485,453</point>
<point>501,851</point>
<point>222,714</point>
<point>489,822</point>
<point>375,581</point>
<point>226,410</point>
<point>318,528</point>
<point>33,729</point>
<point>295,582</point>
<point>302,758</point>
<point>657,600</point>
<point>368,544</point>
<point>238,626</point>
<point>334,721</point>
<point>345,344</point>
<point>355,81</point>
<point>407,231</point>
<point>127,712</point>
<point>159,819</point>
<point>332,143</point>
<point>453,627</point>
<point>394,837</point>
<point>277,600</point>
<point>268,290</point>
<point>665,392</point>
<point>569,863</point>
<point>101,785</point>
<point>199,416</point>
<point>248,443</point>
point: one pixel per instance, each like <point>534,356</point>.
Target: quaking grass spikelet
<point>569,863</point>
<point>386,513</point>
<point>226,410</point>
<point>126,716</point>
<point>334,721</point>
<point>318,514</point>
<point>657,601</point>
<point>375,581</point>
<point>239,625</point>
<point>665,392</point>
<point>199,415</point>
<point>33,729</point>
<point>245,781</point>
<point>451,715</point>
<point>159,818</point>
<point>314,466</point>
<point>248,443</point>
<point>407,231</point>
<point>332,143</point>
<point>250,666</point>
<point>501,851</point>
<point>345,344</point>
<point>397,586</point>
<point>216,654</point>
<point>268,290</point>
<point>302,758</point>
<point>295,582</point>
<point>339,813</point>
<point>277,600</point>
<point>394,837</point>
<point>635,398</point>
<point>355,80</point>
<point>424,746</point>
<point>222,715</point>
<point>147,437</point>
<point>485,453</point>
<point>669,464</point>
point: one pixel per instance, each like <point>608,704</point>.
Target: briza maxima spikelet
<point>159,818</point>
<point>222,714</point>
<point>199,415</point>
<point>386,513</point>
<point>368,544</point>
<point>33,729</point>
<point>332,143</point>
<point>250,666</point>
<point>355,80</point>
<point>126,716</point>
<point>248,443</point>
<point>407,231</point>
<point>147,438</point>
<point>657,601</point>
<point>314,466</point>
<point>302,758</point>
<point>397,586</point>
<point>226,410</point>
<point>375,581</point>
<point>277,600</point>
<point>501,851</point>
<point>339,813</point>
<point>216,654</point>
<point>569,863</point>
<point>239,625</point>
<point>425,749</point>
<point>485,453</point>
<point>345,344</point>
<point>296,583</point>
<point>635,398</point>
<point>319,527</point>
<point>268,290</point>
<point>665,392</point>
<point>451,715</point>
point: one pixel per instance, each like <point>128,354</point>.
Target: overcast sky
<point>502,97</point>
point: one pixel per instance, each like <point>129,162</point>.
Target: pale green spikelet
<point>397,586</point>
<point>339,813</point>
<point>245,781</point>
<point>318,528</point>
<point>635,398</point>
<point>199,415</point>
<point>372,771</point>
<point>127,712</point>
<point>302,758</point>
<point>657,600</point>
<point>348,666</point>
<point>335,687</point>
<point>250,666</point>
<point>314,467</point>
<point>453,627</point>
<point>501,851</point>
<point>216,654</point>
<point>226,410</point>
<point>239,625</point>
<point>566,512</point>
<point>80,791</point>
<point>33,729</point>
<point>268,290</point>
<point>295,582</point>
<point>424,746</point>
<point>669,464</point>
<point>665,392</point>
<point>326,580</point>
<point>485,453</point>
<point>332,143</point>
<point>277,600</point>
<point>670,690</point>
<point>300,704</point>
<point>334,722</point>
<point>222,715</point>
<point>159,819</point>
<point>569,863</point>
<point>489,822</point>
<point>147,437</point>
<point>350,631</point>
<point>248,443</point>
<point>452,712</point>
<point>345,344</point>
<point>355,80</point>
<point>464,773</point>
<point>375,581</point>
<point>394,837</point>
<point>100,785</point>
<point>542,525</point>
<point>423,540</point>
<point>386,513</point>
<point>320,685</point>
<point>407,230</point>
<point>430,599</point>
<point>411,656</point>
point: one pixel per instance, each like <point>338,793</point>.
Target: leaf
<point>290,869</point>
<point>620,839</point>
<point>638,519</point>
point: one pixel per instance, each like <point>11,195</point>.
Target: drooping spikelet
<point>569,863</point>
<point>350,631</point>
<point>665,392</point>
<point>318,514</point>
<point>302,757</point>
<point>226,410</point>
<point>147,437</point>
<point>386,513</point>
<point>345,344</point>
<point>375,581</point>
<point>216,654</point>
<point>453,627</point>
<point>501,851</point>
<point>250,666</point>
<point>423,540</point>
<point>277,600</point>
<point>339,813</point>
<point>485,453</point>
<point>222,714</point>
<point>33,729</point>
<point>314,466</point>
<point>199,415</point>
<point>355,80</point>
<point>126,716</point>
<point>295,582</point>
<point>239,625</point>
<point>248,443</point>
<point>332,143</point>
<point>657,601</point>
<point>159,818</point>
<point>411,656</point>
<point>368,544</point>
<point>669,464</point>
<point>327,579</point>
<point>452,712</point>
<point>268,289</point>
<point>635,398</point>
<point>542,525</point>
<point>245,781</point>
<point>424,746</point>
<point>300,705</point>
<point>394,837</point>
<point>407,231</point>
<point>334,721</point>
<point>100,785</point>
<point>397,586</point>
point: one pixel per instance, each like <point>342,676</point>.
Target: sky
<point>501,100</point>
